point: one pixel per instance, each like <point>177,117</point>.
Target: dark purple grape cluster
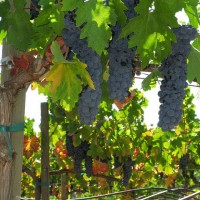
<point>79,153</point>
<point>34,9</point>
<point>127,171</point>
<point>174,70</point>
<point>117,163</point>
<point>69,145</point>
<point>121,71</point>
<point>89,98</point>
<point>88,165</point>
<point>184,160</point>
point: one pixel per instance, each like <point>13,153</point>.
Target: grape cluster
<point>120,61</point>
<point>34,9</point>
<point>174,68</point>
<point>117,163</point>
<point>88,165</point>
<point>89,98</point>
<point>127,171</point>
<point>69,145</point>
<point>126,167</point>
<point>183,163</point>
<point>79,153</point>
<point>130,4</point>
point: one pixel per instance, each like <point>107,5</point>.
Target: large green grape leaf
<point>69,5</point>
<point>193,15</point>
<point>42,38</point>
<point>193,70</point>
<point>190,7</point>
<point>20,30</point>
<point>95,18</point>
<point>152,33</point>
<point>51,17</point>
<point>119,9</point>
<point>193,12</point>
<point>67,78</point>
<point>19,4</point>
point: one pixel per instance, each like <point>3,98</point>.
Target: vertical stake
<point>45,151</point>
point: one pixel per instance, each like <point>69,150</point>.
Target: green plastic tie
<point>11,128</point>
<point>43,184</point>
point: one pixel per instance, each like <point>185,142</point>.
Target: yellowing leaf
<point>66,81</point>
<point>169,181</point>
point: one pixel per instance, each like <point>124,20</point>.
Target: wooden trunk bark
<point>6,162</point>
<point>11,167</point>
<point>12,106</point>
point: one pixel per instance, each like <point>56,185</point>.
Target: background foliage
<point>156,154</point>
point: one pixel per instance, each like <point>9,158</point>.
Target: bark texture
<point>12,105</point>
<point>6,102</point>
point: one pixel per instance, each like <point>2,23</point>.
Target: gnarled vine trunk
<point>12,107</point>
<point>11,111</point>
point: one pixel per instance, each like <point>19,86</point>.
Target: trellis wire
<point>164,192</point>
<point>189,196</point>
<point>136,189</point>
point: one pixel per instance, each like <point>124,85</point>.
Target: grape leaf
<point>193,68</point>
<point>42,38</point>
<point>2,35</point>
<point>30,145</point>
<point>119,9</point>
<point>45,2</point>
<point>152,33</point>
<point>169,181</point>
<point>4,7</point>
<point>19,4</point>
<point>51,17</point>
<point>70,5</point>
<point>193,15</point>
<point>66,84</point>
<point>151,79</point>
<point>20,31</point>
<point>192,10</point>
<point>196,43</point>
<point>67,78</point>
<point>55,49</point>
<point>57,21</point>
<point>95,23</point>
